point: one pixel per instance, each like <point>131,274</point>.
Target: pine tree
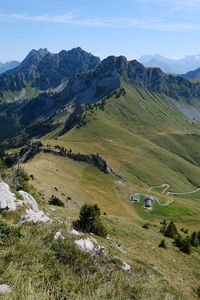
<point>179,241</point>
<point>89,220</point>
<point>171,231</point>
<point>186,246</point>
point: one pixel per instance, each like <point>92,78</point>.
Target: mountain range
<point>8,65</point>
<point>44,83</point>
<point>76,129</point>
<point>172,66</point>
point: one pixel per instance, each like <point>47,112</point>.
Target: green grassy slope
<point>144,137</point>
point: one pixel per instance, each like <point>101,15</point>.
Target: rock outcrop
<point>7,198</point>
<point>33,215</point>
<point>45,70</point>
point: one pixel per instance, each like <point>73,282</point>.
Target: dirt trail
<point>165,187</point>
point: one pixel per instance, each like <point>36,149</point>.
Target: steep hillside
<point>195,75</point>
<point>131,130</point>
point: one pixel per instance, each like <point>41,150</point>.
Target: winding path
<point>165,187</point>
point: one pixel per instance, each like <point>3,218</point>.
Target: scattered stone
<point>90,245</point>
<point>58,235</point>
<point>120,183</point>
<point>85,244</point>
<point>118,246</point>
<point>127,268</point>
<point>75,232</point>
<point>35,217</point>
<point>52,209</point>
<point>7,198</point>
<point>100,250</point>
<point>108,237</point>
<point>5,288</point>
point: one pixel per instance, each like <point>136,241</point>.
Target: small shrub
<point>56,201</point>
<point>163,222</point>
<point>90,221</point>
<point>22,180</point>
<point>162,229</point>
<point>163,244</point>
<point>8,234</point>
<point>146,226</point>
<point>31,177</point>
<point>179,241</point>
<point>186,246</point>
<point>198,292</point>
<point>183,244</point>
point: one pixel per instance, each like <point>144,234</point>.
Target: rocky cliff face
<point>87,79</point>
<point>45,70</point>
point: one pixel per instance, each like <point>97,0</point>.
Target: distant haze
<point>179,66</point>
<point>8,66</point>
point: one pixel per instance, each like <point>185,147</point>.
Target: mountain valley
<point>76,130</point>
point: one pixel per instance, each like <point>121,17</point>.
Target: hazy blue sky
<point>103,27</point>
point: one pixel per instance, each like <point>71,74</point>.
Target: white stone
<point>85,244</point>
<point>126,268</point>
<point>58,236</point>
<point>99,250</point>
<point>90,245</point>
<point>5,288</point>
<point>7,199</point>
<point>35,217</point>
<point>75,232</point>
<point>52,209</point>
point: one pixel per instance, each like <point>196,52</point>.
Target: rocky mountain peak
<point>34,57</point>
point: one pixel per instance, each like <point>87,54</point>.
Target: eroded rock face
<point>7,198</point>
